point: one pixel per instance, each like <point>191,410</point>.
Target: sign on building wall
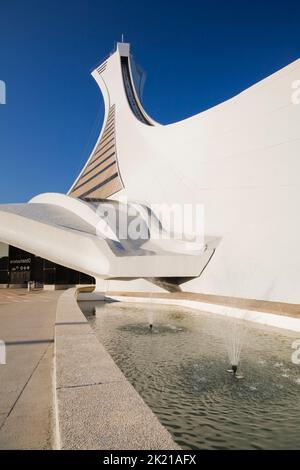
<point>23,264</point>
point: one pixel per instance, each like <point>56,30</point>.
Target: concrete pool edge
<point>278,320</point>
<point>95,405</point>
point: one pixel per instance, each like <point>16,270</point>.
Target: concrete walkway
<point>26,399</point>
<point>97,407</point>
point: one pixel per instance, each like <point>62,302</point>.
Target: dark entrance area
<point>20,267</point>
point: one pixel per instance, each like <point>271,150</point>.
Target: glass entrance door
<point>19,277</point>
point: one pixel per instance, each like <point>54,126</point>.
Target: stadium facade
<point>240,160</point>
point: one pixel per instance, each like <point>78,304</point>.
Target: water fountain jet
<point>234,336</point>
<point>150,314</point>
<point>233,371</point>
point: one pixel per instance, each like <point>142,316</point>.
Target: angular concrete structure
<point>240,160</point>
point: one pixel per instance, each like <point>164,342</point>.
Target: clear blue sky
<point>195,53</point>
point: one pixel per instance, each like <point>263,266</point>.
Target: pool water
<point>180,370</point>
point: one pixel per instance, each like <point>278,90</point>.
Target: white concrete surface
<point>66,231</point>
<point>241,160</point>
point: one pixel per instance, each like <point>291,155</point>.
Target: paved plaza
<point>26,400</point>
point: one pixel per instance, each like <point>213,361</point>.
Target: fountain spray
<point>150,314</point>
<point>234,337</point>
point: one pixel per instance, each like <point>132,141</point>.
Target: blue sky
<point>196,54</point>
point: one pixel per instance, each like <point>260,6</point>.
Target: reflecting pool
<point>180,369</point>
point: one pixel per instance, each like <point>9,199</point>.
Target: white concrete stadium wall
<point>241,159</point>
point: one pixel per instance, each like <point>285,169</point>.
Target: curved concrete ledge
<point>278,319</point>
<point>96,407</point>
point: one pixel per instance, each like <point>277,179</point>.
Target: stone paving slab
<point>26,393</point>
<point>111,416</point>
<point>33,412</point>
<point>21,362</point>
<point>92,365</point>
<point>2,418</point>
<point>72,328</point>
<point>97,407</point>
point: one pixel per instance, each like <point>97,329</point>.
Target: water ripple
<point>180,371</point>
